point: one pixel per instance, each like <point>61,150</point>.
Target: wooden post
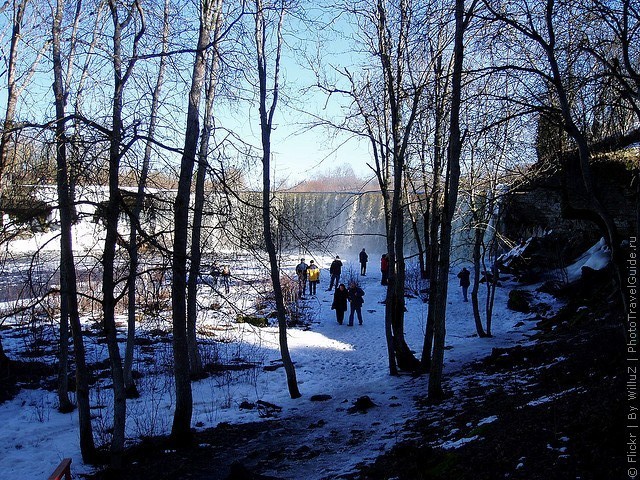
<point>63,471</point>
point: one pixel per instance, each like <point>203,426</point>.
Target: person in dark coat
<point>335,270</point>
<point>465,281</point>
<point>301,272</point>
<point>384,269</point>
<point>215,275</point>
<point>356,299</point>
<point>364,258</point>
<point>340,302</point>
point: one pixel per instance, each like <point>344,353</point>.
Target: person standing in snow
<point>335,270</point>
<point>465,281</point>
<point>339,304</point>
<point>313,276</point>
<point>384,269</point>
<point>363,262</point>
<point>226,275</point>
<point>215,275</point>
<point>356,299</point>
<point>301,271</point>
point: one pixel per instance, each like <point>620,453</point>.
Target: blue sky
<point>298,152</point>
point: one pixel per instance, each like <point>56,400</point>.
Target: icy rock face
<point>538,205</point>
<point>334,222</point>
<point>339,222</point>
<point>348,221</point>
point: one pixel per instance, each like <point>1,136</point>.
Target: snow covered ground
<point>337,360</point>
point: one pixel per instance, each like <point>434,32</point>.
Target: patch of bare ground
<point>552,410</point>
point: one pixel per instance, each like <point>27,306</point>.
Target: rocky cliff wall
<point>551,202</point>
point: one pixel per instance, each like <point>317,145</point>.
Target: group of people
<point>342,296</point>
<point>307,273</point>
<point>354,295</point>
<point>384,266</point>
<point>464,275</point>
<point>221,275</point>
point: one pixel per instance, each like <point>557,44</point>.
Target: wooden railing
<point>63,471</point>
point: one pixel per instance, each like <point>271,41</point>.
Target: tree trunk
<point>130,386</point>
<point>195,361</point>
<point>108,260</point>
<point>68,285</point>
<point>131,391</point>
<point>389,311</point>
<point>395,294</point>
<point>5,363</point>
<point>12,90</point>
<point>266,127</point>
<point>450,200</point>
<point>111,222</point>
<point>491,295</point>
<point>427,245</point>
<point>479,230</point>
<point>434,220</point>
<point>65,404</point>
<point>416,233</point>
<point>400,134</point>
<point>434,255</point>
<point>292,383</point>
<point>181,427</point>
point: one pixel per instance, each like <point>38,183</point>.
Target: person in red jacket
<point>384,268</point>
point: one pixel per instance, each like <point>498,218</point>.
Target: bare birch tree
<point>68,285</point>
<point>403,86</point>
<point>66,248</point>
<point>268,22</point>
<point>451,184</point>
<point>181,427</point>
<point>432,162</point>
<point>130,386</point>
<point>213,56</point>
<point>18,14</point>
<point>16,81</point>
<point>133,16</point>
